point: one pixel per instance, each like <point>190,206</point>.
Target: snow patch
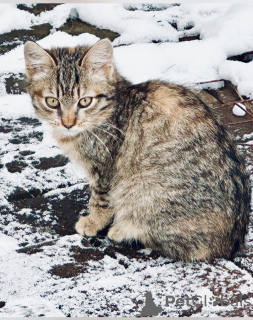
<point>12,18</point>
<point>240,74</point>
<point>30,307</point>
<point>7,244</point>
<point>238,110</point>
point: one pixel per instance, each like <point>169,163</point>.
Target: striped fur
<point>162,169</point>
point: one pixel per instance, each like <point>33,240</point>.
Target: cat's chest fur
<point>92,153</point>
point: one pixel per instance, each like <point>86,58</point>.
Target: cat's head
<point>71,88</point>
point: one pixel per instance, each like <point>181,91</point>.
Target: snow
<point>32,273</point>
<point>240,74</point>
<point>11,18</point>
<point>116,18</point>
<point>7,244</point>
<point>232,30</point>
<point>225,30</point>
<point>25,282</point>
<point>185,63</point>
<point>57,39</point>
<point>30,307</point>
<point>12,106</point>
<point>238,110</point>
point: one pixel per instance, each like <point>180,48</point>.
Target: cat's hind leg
<point>126,230</point>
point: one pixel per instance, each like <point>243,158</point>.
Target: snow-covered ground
<point>225,30</point>
<point>111,284</point>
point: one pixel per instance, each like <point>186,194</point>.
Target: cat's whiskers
<point>100,141</point>
<point>115,137</point>
<point>54,123</point>
<point>86,136</point>
<point>110,125</point>
<point>96,126</point>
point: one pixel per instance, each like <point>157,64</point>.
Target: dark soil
<point>37,8</point>
<point>245,57</point>
<point>15,84</point>
<point>2,304</point>
<point>52,162</point>
<point>64,211</point>
<point>16,166</point>
<point>68,270</point>
<point>36,248</point>
<point>83,256</point>
<point>189,38</point>
<point>77,26</point>
<point>11,40</point>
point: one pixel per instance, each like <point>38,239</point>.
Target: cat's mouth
<point>71,132</point>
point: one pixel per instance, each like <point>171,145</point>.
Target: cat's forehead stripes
<point>71,50</point>
<point>68,76</point>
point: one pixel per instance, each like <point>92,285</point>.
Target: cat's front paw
<point>85,226</point>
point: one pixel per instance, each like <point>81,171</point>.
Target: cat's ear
<point>37,60</point>
<point>99,58</point>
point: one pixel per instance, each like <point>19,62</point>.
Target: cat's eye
<point>52,102</point>
<point>84,102</point>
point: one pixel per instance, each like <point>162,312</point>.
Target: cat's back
<point>175,141</point>
<point>177,155</point>
<point>176,104</point>
<point>168,120</point>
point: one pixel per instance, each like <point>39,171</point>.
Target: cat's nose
<point>68,126</point>
<point>68,121</point>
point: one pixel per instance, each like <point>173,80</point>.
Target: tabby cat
<point>162,169</point>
